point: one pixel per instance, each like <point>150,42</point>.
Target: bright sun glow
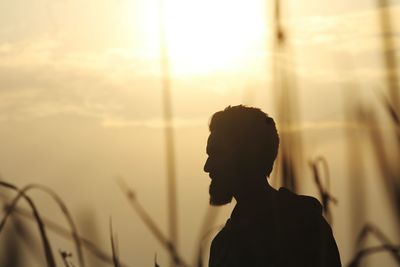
<point>205,36</point>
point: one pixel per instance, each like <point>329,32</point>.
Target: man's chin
<point>219,195</point>
<point>219,202</point>
<point>220,199</point>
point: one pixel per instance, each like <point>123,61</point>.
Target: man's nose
<point>206,167</point>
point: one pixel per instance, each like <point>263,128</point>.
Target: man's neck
<point>254,191</point>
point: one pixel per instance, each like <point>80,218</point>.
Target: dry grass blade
<point>389,47</point>
<point>63,208</point>
<point>202,243</point>
<point>29,241</point>
<point>372,229</point>
<point>65,255</point>
<point>42,229</point>
<point>155,261</point>
<point>394,116</point>
<point>149,222</point>
<point>286,100</point>
<point>143,214</point>
<point>323,191</point>
<point>391,111</point>
<point>168,130</point>
<point>61,231</point>
<point>390,177</point>
<point>11,248</point>
<point>355,262</point>
<point>199,262</point>
<point>68,216</point>
<point>114,247</point>
<point>209,219</point>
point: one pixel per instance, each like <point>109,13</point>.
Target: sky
<point>81,102</point>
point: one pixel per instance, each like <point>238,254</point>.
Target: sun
<point>203,36</point>
<point>207,36</point>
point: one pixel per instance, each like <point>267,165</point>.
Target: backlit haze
<point>81,104</point>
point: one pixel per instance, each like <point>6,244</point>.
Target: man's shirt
<point>283,230</point>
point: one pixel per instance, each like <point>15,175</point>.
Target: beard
<point>220,193</point>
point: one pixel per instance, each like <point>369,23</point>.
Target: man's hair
<point>252,134</point>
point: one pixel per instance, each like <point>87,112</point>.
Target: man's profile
<point>267,227</point>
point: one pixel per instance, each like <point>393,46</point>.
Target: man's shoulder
<point>289,201</point>
<point>222,233</point>
<point>225,248</point>
<point>290,209</point>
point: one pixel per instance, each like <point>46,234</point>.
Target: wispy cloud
<point>342,47</point>
<point>115,122</point>
<point>120,87</point>
<point>115,87</point>
<point>342,30</point>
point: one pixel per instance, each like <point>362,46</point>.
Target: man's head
<point>241,148</point>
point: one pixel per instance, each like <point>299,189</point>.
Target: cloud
<point>157,123</point>
<point>343,47</point>
<point>337,31</point>
<point>323,125</point>
<point>121,87</point>
<point>37,80</point>
<point>115,87</point>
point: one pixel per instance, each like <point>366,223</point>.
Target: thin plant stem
<point>42,228</point>
<point>63,208</point>
<point>61,231</point>
<point>149,222</point>
<point>169,133</point>
<point>114,247</point>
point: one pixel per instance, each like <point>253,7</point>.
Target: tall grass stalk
<point>390,172</point>
<point>202,243</point>
<point>208,221</point>
<point>393,88</point>
<point>63,208</point>
<point>356,261</point>
<point>149,222</point>
<point>389,48</point>
<point>286,101</point>
<point>355,159</point>
<point>42,229</point>
<point>323,187</point>
<point>24,233</point>
<point>12,254</point>
<point>370,229</point>
<point>155,261</point>
<point>169,134</point>
<point>65,256</point>
<point>114,246</point>
<point>61,231</point>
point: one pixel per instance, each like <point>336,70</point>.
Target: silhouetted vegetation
<point>288,174</point>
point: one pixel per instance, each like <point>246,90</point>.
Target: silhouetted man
<point>267,227</point>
